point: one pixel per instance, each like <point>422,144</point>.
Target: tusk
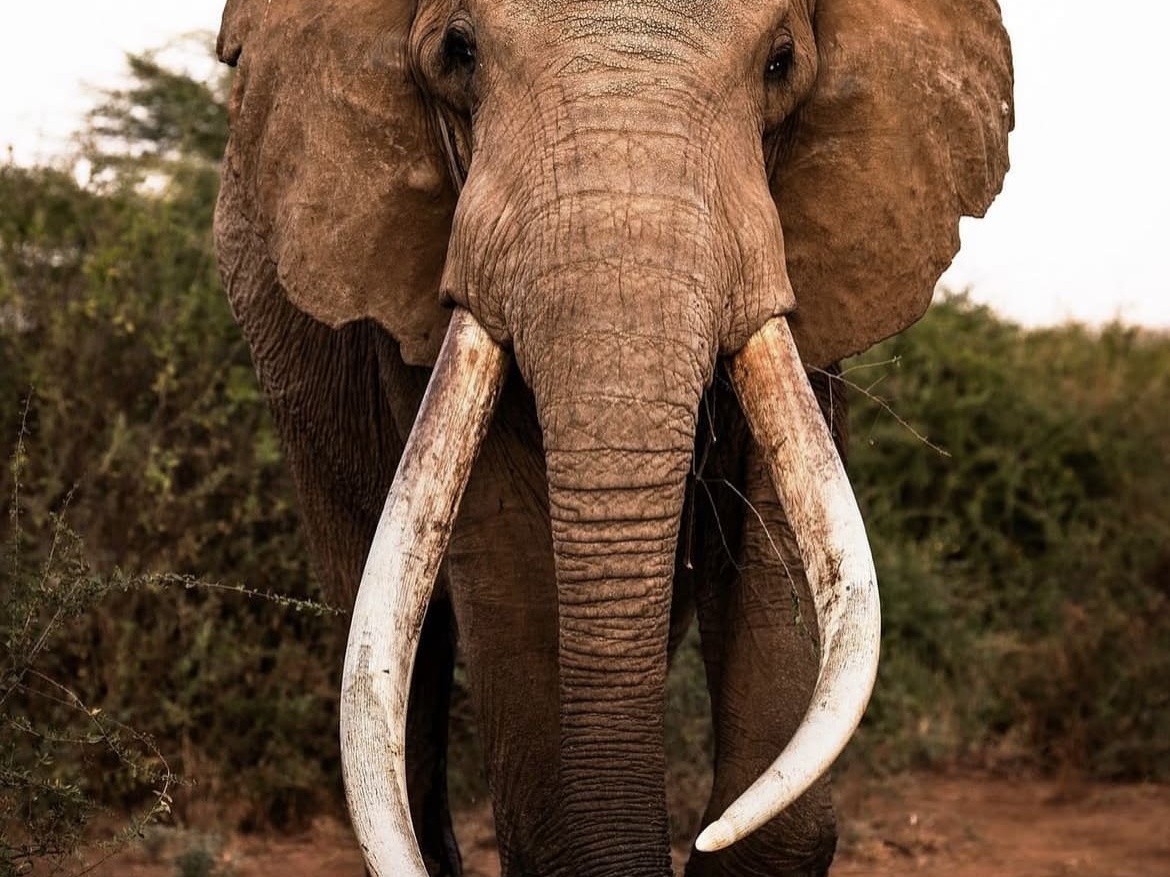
<point>396,587</point>
<point>811,483</point>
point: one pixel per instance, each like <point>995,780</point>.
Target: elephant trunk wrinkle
<point>615,509</point>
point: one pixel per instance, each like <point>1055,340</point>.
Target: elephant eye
<point>459,50</point>
<point>779,63</point>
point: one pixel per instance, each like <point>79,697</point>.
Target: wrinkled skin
<point>603,185</point>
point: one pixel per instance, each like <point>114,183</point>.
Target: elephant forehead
<point>702,27</point>
<point>601,16</point>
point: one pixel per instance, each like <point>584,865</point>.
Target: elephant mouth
<point>417,521</point>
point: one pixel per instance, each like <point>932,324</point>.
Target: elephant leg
<point>762,661</point>
<point>426,742</point>
<point>758,631</point>
<point>499,563</point>
<point>343,402</point>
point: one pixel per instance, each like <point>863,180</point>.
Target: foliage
<point>145,418</point>
<point>200,860</point>
<point>1025,572</point>
<point>46,729</point>
<point>164,118</point>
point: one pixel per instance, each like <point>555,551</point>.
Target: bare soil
<point>961,826</point>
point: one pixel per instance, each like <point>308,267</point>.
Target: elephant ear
<point>905,131</point>
<point>332,161</point>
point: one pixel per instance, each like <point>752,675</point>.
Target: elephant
<point>547,299</point>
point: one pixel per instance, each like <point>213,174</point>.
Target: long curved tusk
<point>396,586</point>
<point>812,486</point>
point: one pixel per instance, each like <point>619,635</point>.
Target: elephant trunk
<point>616,330</point>
<point>618,455</point>
<point>614,564</point>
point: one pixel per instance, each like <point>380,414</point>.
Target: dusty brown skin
<point>628,167</point>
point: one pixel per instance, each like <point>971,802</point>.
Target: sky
<point>1080,231</point>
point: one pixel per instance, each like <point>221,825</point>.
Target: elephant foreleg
<point>500,567</point>
<point>759,642</point>
<point>426,742</point>
<point>762,660</point>
<point>343,402</point>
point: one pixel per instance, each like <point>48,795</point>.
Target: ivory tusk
<point>396,587</point>
<point>811,483</point>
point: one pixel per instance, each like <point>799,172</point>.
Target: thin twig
<point>885,405</point>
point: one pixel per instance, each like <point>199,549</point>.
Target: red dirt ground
<point>963,826</point>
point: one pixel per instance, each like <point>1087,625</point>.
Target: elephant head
<point>617,195</point>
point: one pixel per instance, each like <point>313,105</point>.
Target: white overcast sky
<point>1081,230</point>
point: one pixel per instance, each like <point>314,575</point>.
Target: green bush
<point>144,417</point>
<point>50,735</point>
<point>1025,562</point>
